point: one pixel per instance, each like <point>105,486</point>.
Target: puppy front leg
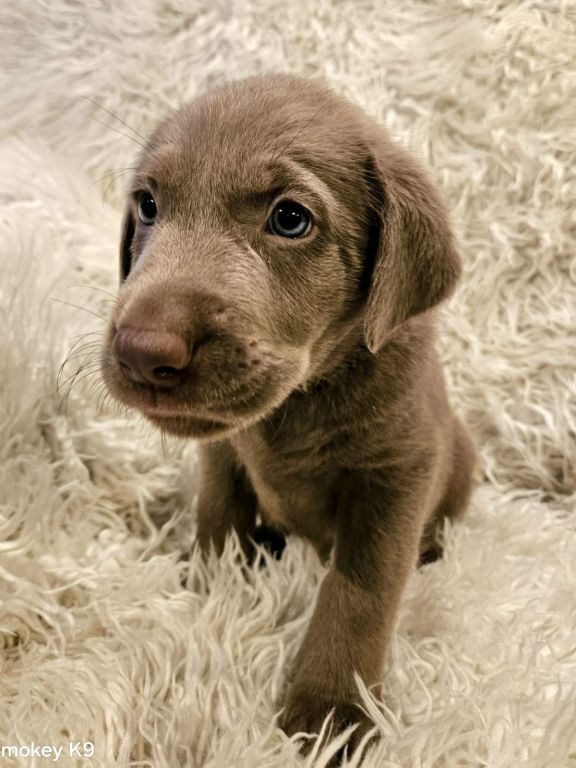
<point>226,499</point>
<point>378,531</point>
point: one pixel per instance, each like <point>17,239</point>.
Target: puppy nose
<point>151,357</point>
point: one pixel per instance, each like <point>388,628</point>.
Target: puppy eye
<point>147,209</point>
<point>290,219</point>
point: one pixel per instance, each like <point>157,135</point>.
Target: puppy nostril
<point>165,372</point>
<point>166,376</point>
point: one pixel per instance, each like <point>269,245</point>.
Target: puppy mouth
<point>193,415</point>
<point>164,407</point>
<point>205,422</point>
<point>207,405</point>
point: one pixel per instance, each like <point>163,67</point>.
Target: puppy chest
<point>287,495</point>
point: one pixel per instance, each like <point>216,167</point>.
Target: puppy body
<point>306,365</point>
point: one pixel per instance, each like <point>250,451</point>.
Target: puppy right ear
<point>415,264</point>
<point>128,229</point>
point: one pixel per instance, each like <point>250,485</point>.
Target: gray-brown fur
<point>306,366</point>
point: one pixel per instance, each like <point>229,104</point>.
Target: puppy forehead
<point>246,139</point>
<point>176,165</point>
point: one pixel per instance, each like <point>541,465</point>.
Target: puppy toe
<point>306,713</point>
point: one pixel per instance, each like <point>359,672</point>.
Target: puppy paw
<point>305,712</point>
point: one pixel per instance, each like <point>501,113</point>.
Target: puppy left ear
<point>414,264</point>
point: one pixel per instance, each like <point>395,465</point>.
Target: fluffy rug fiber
<point>99,640</point>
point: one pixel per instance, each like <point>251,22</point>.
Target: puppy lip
<point>240,408</point>
<point>189,426</point>
<point>171,413</point>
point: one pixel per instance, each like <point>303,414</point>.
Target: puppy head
<point>269,226</point>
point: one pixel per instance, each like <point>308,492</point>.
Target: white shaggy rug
<point>103,654</point>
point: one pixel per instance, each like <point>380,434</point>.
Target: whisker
<point>66,396</point>
<point>91,288</point>
<point>99,392</point>
<point>89,358</point>
<point>71,356</point>
<point>96,391</point>
<point>100,406</point>
<point>97,104</point>
<point>94,388</point>
<point>62,409</point>
<point>108,401</point>
<point>97,385</point>
<point>113,175</point>
<point>119,410</point>
<point>84,333</point>
<point>60,383</point>
<point>77,306</point>
<point>86,370</point>
<point>84,349</point>
<point>79,345</point>
<point>121,133</point>
<point>76,347</point>
<point>78,381</point>
<point>115,172</point>
<point>108,187</point>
